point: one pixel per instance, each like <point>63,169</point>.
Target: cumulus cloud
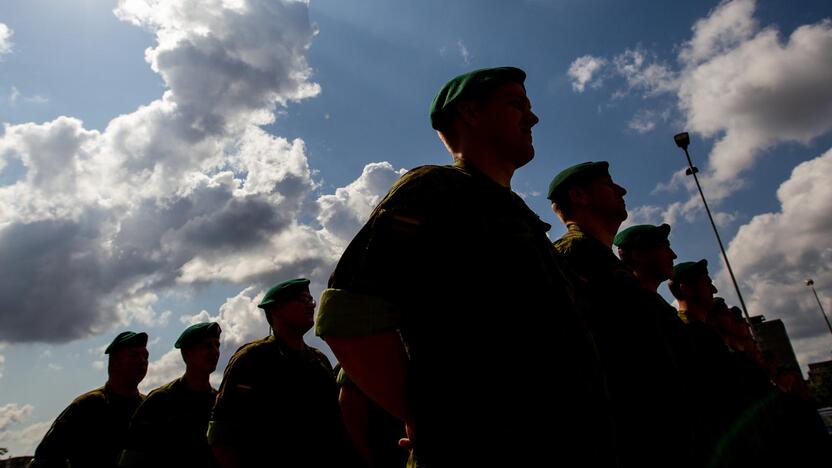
<point>774,253</point>
<point>5,40</point>
<point>755,91</point>
<point>13,414</point>
<point>644,73</point>
<point>163,370</point>
<point>744,86</point>
<point>344,212</point>
<point>582,71</point>
<point>19,441</point>
<point>184,191</point>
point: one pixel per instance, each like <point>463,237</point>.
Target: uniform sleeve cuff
<point>344,313</point>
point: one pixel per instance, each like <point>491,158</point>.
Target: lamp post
<point>683,141</point>
<point>811,284</point>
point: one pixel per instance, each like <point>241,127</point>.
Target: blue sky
<point>162,165</point>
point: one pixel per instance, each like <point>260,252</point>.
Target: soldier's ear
<point>469,112</point>
<point>577,196</point>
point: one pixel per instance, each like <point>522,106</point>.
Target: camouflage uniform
<point>90,432</point>
<point>639,341</point>
<point>169,428</point>
<point>279,406</point>
<point>501,369</point>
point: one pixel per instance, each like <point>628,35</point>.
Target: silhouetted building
<point>15,462</point>
<point>820,382</point>
<point>774,342</point>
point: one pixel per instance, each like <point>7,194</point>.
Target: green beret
<point>471,85</point>
<point>687,271</point>
<point>642,236</point>
<point>126,339</point>
<point>282,291</point>
<point>576,175</point>
<point>719,303</point>
<point>196,332</point>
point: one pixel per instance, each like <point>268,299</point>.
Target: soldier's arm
<point>234,411</point>
<point>53,450</point>
<point>145,435</point>
<point>378,365</point>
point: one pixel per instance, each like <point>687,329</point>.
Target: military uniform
<point>638,338</point>
<point>279,406</point>
<point>383,431</point>
<point>90,432</point>
<point>501,369</point>
<point>168,429</point>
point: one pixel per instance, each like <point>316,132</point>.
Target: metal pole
<point>692,171</point>
<point>811,284</point>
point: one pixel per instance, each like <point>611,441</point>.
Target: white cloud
<point>774,253</point>
<point>109,220</point>
<point>762,92</point>
<point>463,52</point>
<point>643,73</point>
<point>583,70</point>
<point>743,85</point>
<point>644,121</point>
<point>12,414</point>
<point>239,318</point>
<point>19,441</point>
<point>2,364</point>
<point>24,441</point>
<point>55,367</point>
<point>5,42</point>
<point>14,94</point>
<point>725,27</point>
<point>163,370</point>
<point>343,213</point>
<point>645,214</point>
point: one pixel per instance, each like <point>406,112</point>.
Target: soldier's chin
<point>524,158</point>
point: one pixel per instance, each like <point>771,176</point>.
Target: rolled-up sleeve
<point>345,313</point>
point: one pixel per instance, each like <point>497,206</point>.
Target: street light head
<point>682,140</point>
<point>809,282</point>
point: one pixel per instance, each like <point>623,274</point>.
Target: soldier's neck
<point>122,388</point>
<point>647,282</point>
<point>497,169</point>
<point>197,381</point>
<point>693,310</point>
<point>602,231</point>
<point>292,340</point>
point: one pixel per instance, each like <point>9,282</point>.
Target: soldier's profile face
<point>606,198</point>
<point>130,363</point>
<point>702,290</point>
<point>507,122</point>
<point>660,260</point>
<point>297,313</point>
<point>203,355</point>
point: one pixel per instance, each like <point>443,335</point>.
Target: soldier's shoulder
<point>91,397</point>
<point>320,356</point>
<point>571,242</point>
<point>252,350</point>
<point>163,391</point>
<point>428,181</point>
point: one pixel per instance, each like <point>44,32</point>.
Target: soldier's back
<point>90,432</point>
